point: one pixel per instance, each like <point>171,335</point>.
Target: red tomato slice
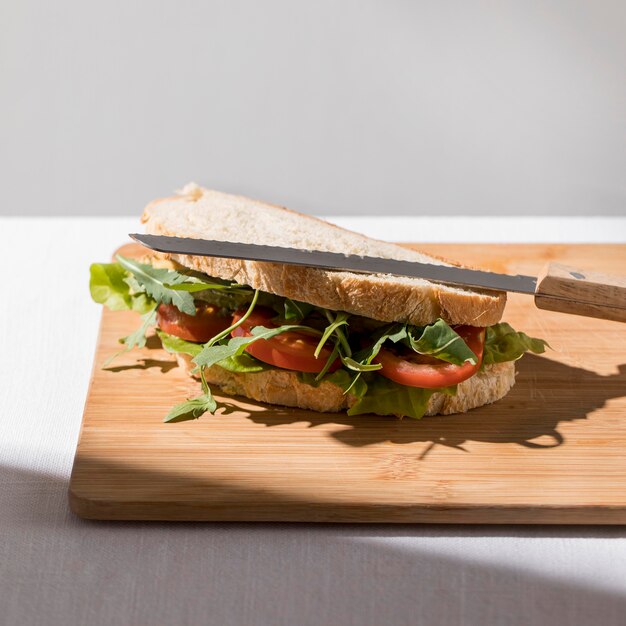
<point>427,372</point>
<point>205,324</point>
<point>291,350</point>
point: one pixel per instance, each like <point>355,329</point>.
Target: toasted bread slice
<point>283,387</point>
<point>203,214</point>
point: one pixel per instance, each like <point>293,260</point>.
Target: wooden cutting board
<point>552,451</point>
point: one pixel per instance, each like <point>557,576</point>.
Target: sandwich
<point>306,337</point>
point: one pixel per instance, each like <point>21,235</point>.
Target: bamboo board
<point>552,451</point>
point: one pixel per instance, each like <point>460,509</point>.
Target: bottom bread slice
<point>283,387</point>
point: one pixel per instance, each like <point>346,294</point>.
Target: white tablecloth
<point>57,569</point>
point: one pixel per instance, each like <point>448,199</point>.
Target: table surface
<point>57,569</point>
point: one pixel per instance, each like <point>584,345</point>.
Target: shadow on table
<point>329,574</point>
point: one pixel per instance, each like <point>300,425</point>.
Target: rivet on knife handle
<point>570,290</point>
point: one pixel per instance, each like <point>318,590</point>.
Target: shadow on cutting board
<point>546,393</point>
<point>165,365</point>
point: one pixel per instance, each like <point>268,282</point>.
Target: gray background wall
<point>334,107</point>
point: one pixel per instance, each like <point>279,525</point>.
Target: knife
<point>557,288</point>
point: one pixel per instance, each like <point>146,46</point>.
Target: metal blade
<point>338,261</point>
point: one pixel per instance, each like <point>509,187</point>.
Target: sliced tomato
<point>415,370</point>
<point>205,324</point>
<point>291,350</point>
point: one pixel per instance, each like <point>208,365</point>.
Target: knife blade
<point>337,261</point>
<point>558,288</point>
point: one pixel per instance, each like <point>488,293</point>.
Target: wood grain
<point>552,451</point>
<point>581,292</point>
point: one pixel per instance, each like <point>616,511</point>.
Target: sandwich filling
<point>388,368</point>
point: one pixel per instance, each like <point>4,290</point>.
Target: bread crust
<point>382,297</point>
<point>283,387</point>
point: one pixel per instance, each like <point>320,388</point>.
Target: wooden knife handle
<point>570,290</point>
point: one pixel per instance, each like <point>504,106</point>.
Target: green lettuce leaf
<point>348,382</point>
<point>175,344</point>
<point>384,397</point>
<point>244,364</point>
<point>378,395</point>
<point>503,343</point>
<point>108,286</point>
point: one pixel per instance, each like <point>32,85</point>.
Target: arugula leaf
<point>296,311</point>
<point>442,342</point>
<point>190,287</point>
<point>136,338</point>
<point>209,345</point>
<point>351,364</point>
<point>193,408</point>
<point>341,319</point>
<point>503,343</point>
<point>158,281</point>
<point>227,299</point>
<point>108,286</point>
<point>329,361</point>
<point>384,397</point>
<point>193,284</point>
<point>244,363</point>
<point>393,332</point>
<point>212,354</point>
